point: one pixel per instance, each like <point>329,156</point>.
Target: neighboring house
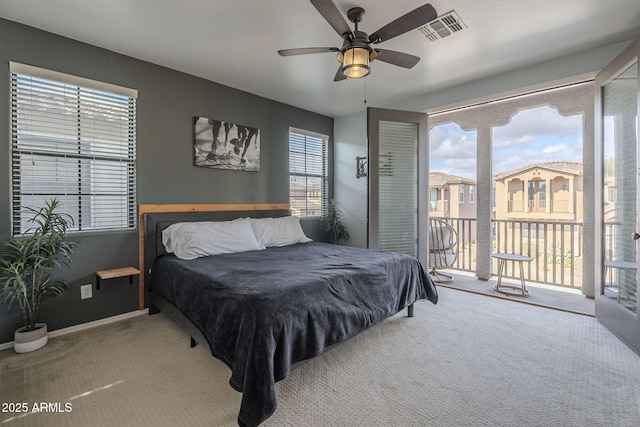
<point>454,197</point>
<point>549,191</point>
<point>451,196</point>
<point>306,199</point>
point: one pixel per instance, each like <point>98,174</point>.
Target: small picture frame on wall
<point>224,145</point>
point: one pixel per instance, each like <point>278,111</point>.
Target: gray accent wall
<point>167,102</point>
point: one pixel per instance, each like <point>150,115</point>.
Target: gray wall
<point>351,192</point>
<point>167,102</point>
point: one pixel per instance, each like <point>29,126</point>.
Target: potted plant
<point>26,266</point>
<point>336,230</point>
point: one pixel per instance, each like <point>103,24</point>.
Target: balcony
<point>554,277</point>
<point>560,209</point>
<point>556,206</point>
<point>556,248</point>
<point>557,297</point>
<point>560,206</point>
<point>439,208</point>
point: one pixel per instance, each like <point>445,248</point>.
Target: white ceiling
<point>235,42</point>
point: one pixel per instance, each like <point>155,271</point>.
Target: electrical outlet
<point>86,291</point>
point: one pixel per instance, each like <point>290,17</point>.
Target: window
<point>308,173</point>
<point>433,199</point>
<point>73,139</point>
<point>472,194</point>
<point>461,193</point>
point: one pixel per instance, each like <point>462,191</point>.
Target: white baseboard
<point>88,325</point>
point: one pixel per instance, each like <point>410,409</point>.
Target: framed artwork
<point>225,145</point>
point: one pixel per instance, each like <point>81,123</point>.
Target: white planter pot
<point>24,342</point>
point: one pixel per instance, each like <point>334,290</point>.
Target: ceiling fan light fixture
<point>355,62</point>
<point>356,52</point>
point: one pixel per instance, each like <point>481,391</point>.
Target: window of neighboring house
<point>461,193</point>
<point>472,194</point>
<point>433,199</point>
<point>308,173</point>
<point>74,140</point>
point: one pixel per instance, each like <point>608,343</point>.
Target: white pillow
<point>281,231</point>
<point>189,240</point>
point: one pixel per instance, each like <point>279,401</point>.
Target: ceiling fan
<point>356,52</point>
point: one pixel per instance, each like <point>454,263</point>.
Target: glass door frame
<point>621,321</point>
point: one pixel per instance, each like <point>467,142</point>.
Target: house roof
<point>441,179</point>
<point>571,168</point>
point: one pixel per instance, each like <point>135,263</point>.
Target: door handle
<point>635,236</point>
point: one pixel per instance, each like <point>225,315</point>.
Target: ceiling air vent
<point>443,26</point>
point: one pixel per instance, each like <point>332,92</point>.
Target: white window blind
<point>308,173</point>
<point>73,143</point>
<point>398,181</point>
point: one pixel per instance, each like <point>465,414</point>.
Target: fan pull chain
<point>365,90</point>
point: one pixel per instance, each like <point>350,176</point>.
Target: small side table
<point>116,272</point>
<point>521,291</point>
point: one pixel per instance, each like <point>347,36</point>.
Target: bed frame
<point>155,218</point>
<point>152,219</point>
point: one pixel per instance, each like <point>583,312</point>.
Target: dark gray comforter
<point>262,311</point>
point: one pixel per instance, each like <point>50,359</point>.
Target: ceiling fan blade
<point>339,75</point>
<point>307,50</point>
<point>332,15</point>
<point>408,22</point>
<point>396,58</point>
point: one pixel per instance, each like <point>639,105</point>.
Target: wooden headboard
<point>153,217</point>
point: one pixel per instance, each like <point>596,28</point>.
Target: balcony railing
<point>537,205</point>
<point>556,248</point>
<point>557,206</point>
<point>439,206</point>
<point>515,205</point>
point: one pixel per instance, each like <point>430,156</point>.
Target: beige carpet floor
<point>469,361</point>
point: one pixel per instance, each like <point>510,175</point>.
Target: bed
<point>264,311</point>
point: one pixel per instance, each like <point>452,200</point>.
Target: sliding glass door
<point>617,126</point>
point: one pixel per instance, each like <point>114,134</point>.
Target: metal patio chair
<point>443,249</point>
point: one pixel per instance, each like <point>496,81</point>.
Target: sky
<point>536,135</point>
